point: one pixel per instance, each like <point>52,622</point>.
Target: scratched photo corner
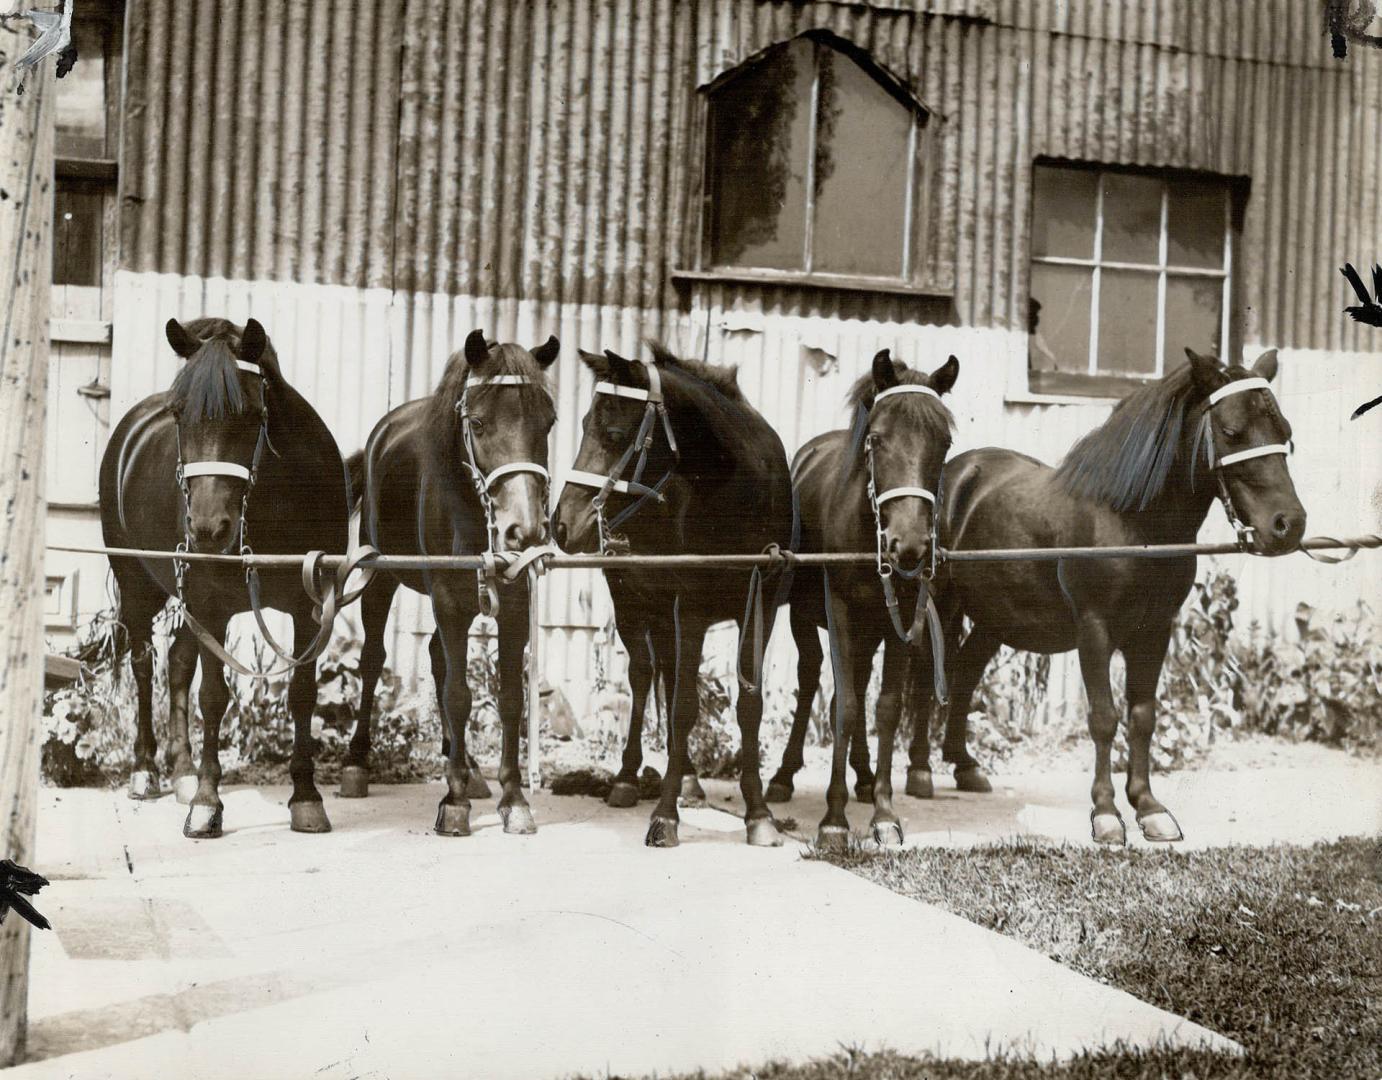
<point>717,539</point>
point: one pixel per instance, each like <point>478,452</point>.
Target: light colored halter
<point>1217,464</point>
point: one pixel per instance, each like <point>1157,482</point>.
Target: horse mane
<point>444,444</point>
<point>723,379</point>
<point>1125,462</point>
<point>207,386</point>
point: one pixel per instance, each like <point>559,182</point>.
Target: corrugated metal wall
<point>544,150</point>
<point>420,169</point>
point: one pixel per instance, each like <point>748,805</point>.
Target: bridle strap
<point>905,492</point>
<point>904,388</point>
<point>1255,452</point>
<point>215,468</point>
<point>1238,386</point>
<point>1243,532</point>
<point>516,467</point>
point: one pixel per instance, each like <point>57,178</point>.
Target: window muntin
<point>812,168</point>
<point>1127,269</point>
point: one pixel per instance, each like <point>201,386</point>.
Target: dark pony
<point>902,443</point>
<point>1147,476</point>
<point>418,495</point>
<point>718,485</point>
<point>229,409</point>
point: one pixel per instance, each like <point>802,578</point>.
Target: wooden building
<point>1063,193</point>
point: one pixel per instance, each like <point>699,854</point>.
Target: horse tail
<point>355,477</point>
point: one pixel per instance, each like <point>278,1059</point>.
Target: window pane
<point>1194,306</point>
<point>1132,218</point>
<point>1195,223</point>
<point>862,138</point>
<point>760,126</point>
<point>1058,322</point>
<point>1127,323</point>
<point>1063,202</point>
<point>81,100</point>
<point>77,220</point>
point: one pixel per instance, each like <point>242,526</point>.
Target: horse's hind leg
<point>762,830</point>
<point>374,618</point>
<point>979,648</point>
<point>1095,653</point>
<point>625,791</point>
<point>477,787</point>
<point>1144,659</point>
<point>305,809</point>
<point>182,665</point>
<point>859,736</point>
<point>810,657</point>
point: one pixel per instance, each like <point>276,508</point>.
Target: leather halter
<point>656,408</point>
<point>488,581</point>
<point>1243,532</point>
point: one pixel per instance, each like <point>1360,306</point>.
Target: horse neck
<point>1177,513</point>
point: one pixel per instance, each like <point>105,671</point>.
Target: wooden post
<point>26,220</point>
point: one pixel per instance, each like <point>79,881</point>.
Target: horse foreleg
<point>514,811</point>
<point>144,779</point>
<point>1095,653</point>
<point>625,790</point>
<point>305,808</point>
<point>204,816</point>
<point>453,619</point>
<point>478,788</point>
<point>182,665</point>
<point>979,648</point>
<point>1144,659</point>
<point>374,617</point>
<point>809,661</point>
<point>848,653</point>
<point>682,645</point>
<point>887,829</point>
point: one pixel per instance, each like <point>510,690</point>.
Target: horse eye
<point>477,425</point>
<point>1230,433</point>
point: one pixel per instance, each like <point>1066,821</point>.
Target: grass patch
<point>1278,948</point>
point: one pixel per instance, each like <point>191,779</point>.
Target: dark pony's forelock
<point>207,386</point>
<point>931,414</point>
<point>1125,462</point>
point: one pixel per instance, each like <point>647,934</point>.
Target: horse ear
<point>1207,372</point>
<point>1266,365</point>
<point>184,343</point>
<point>884,374</point>
<point>253,342</point>
<point>621,369</point>
<point>476,351</point>
<point>943,378</point>
<point>547,352</point>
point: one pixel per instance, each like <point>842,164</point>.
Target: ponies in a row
<point>674,460</point>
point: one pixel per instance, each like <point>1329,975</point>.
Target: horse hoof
<point>887,833</point>
<point>1108,829</point>
<point>309,817</point>
<point>763,832</point>
<point>452,820</point>
<point>833,839</point>
<point>354,782</point>
<point>864,793</point>
<point>184,788</point>
<point>1160,827</point>
<point>779,791</point>
<point>972,778</point>
<point>692,794</point>
<point>144,785</point>
<point>475,787</point>
<point>662,832</point>
<point>518,819</point>
<point>203,822</point>
<point>919,785</point>
<point>622,795</point>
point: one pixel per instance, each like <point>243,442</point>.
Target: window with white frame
<point>813,169</point>
<point>1127,270</point>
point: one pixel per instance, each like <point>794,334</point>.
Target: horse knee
<point>1142,720</point>
<point>1103,725</point>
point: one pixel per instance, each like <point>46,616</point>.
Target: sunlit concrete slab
<point>381,950</point>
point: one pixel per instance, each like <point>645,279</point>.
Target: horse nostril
<point>1281,525</point>
<point>561,534</point>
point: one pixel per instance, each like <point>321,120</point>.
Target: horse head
<point>1246,440</point>
<point>219,403</point>
<point>506,415</point>
<point>906,442</point>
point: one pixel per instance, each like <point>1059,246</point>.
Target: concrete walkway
<point>381,950</point>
